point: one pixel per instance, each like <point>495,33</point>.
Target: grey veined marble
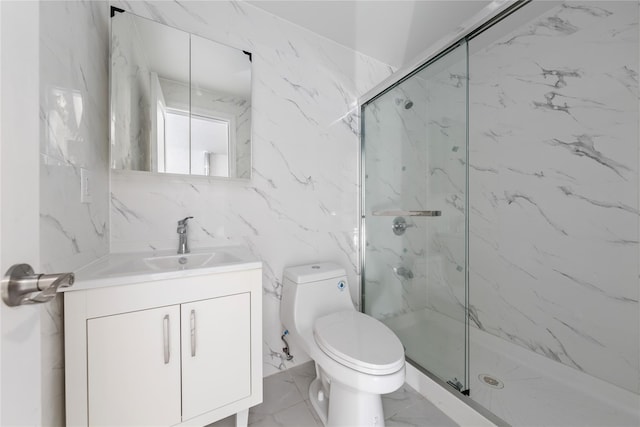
<point>301,203</point>
<point>554,187</point>
<point>74,133</point>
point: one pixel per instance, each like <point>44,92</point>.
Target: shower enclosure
<point>508,165</point>
<point>414,222</point>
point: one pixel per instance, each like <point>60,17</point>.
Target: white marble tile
<point>73,113</point>
<point>285,408</point>
<point>299,415</point>
<point>554,187</point>
<point>301,203</point>
<point>302,376</point>
<point>399,401</point>
<point>313,412</point>
<point>279,393</point>
<point>420,414</point>
<point>74,51</point>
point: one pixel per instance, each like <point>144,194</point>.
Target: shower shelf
<point>407,213</point>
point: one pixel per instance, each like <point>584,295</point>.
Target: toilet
<point>357,357</point>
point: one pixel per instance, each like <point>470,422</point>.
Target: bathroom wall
<point>74,50</point>
<point>554,186</point>
<point>301,203</point>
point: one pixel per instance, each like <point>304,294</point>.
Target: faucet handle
<point>184,221</point>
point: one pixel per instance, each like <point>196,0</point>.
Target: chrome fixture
<point>166,338</point>
<point>192,319</point>
<point>403,272</point>
<point>399,226</point>
<point>456,384</point>
<point>183,246</point>
<point>406,213</point>
<point>491,381</point>
<point>21,285</point>
<point>405,102</point>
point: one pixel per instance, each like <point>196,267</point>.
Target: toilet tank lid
<point>314,272</point>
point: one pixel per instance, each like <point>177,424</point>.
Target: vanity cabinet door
<point>216,353</point>
<point>134,368</point>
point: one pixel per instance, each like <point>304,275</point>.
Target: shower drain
<point>491,381</point>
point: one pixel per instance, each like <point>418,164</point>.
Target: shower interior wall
<point>553,175</point>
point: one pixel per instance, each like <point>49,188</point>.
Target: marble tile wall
<point>301,203</point>
<point>74,52</point>
<point>554,187</point>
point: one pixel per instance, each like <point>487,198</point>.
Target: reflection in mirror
<point>220,100</point>
<point>180,103</point>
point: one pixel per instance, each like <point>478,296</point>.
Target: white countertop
<point>136,267</point>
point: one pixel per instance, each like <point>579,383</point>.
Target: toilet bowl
<point>357,357</point>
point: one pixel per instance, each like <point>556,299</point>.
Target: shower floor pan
<point>518,385</point>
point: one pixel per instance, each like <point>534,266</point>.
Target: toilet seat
<point>359,342</point>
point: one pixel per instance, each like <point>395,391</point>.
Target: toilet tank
<point>311,291</point>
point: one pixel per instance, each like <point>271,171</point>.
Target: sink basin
<point>137,267</point>
<point>191,260</point>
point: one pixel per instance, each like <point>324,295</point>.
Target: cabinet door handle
<point>167,337</point>
<point>193,333</point>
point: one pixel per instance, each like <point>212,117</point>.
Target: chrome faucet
<point>183,246</point>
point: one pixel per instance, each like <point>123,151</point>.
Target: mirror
<point>180,104</point>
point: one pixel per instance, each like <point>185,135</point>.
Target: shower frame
<point>490,16</point>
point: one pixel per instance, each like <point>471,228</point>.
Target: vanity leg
<point>242,418</point>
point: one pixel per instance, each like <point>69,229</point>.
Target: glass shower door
<point>414,214</point>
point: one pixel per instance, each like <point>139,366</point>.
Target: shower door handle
<point>407,213</point>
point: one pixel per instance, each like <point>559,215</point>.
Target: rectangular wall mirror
<point>180,104</point>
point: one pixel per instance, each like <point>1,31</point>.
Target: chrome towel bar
<point>407,213</point>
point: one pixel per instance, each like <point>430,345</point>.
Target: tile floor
<point>286,403</point>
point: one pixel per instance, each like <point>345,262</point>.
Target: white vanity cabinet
<point>130,380</point>
<point>179,351</point>
<point>215,372</point>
